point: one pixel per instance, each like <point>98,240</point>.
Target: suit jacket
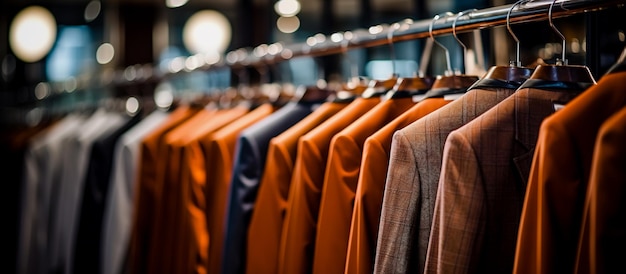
<point>371,184</point>
<point>412,179</point>
<point>603,238</point>
<point>266,223</point>
<point>482,184</point>
<point>42,165</point>
<point>13,146</point>
<point>149,190</point>
<point>77,151</point>
<point>553,207</point>
<point>299,229</point>
<point>340,183</point>
<point>181,229</point>
<point>118,212</point>
<point>89,227</point>
<point>251,153</point>
<point>219,152</point>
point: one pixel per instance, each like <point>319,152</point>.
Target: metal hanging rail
<point>319,45</point>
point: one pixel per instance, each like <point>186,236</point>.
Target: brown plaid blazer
<point>482,185</point>
<point>413,176</point>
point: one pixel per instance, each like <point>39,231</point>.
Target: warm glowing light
<point>32,33</point>
<point>287,8</point>
<point>336,37</point>
<point>42,90</point>
<point>164,95</point>
<point>207,31</point>
<point>175,3</point>
<point>376,29</point>
<point>212,58</point>
<point>132,105</point>
<point>288,24</point>
<point>105,53</point>
<point>92,10</point>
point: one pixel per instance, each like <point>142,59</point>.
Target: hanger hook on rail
<point>517,61</point>
<point>430,32</point>
<point>454,30</point>
<point>563,61</point>
<point>392,52</point>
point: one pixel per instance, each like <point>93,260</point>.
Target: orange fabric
<point>340,183</point>
<point>299,228</point>
<point>148,193</point>
<point>371,185</point>
<point>182,224</point>
<point>267,218</point>
<point>218,150</point>
<point>552,215</point>
<point>603,238</point>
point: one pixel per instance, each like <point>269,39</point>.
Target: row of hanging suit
<point>519,171</point>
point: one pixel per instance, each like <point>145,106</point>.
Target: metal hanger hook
<point>517,63</point>
<point>392,51</point>
<point>454,30</point>
<point>430,32</point>
<point>563,61</point>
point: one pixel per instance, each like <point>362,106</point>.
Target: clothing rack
<point>320,45</point>
<point>340,42</point>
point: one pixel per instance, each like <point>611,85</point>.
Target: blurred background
<point>58,56</point>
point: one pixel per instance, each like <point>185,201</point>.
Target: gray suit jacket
<point>483,182</point>
<point>411,186</point>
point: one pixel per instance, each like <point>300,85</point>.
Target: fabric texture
<point>553,207</point>
<point>340,183</point>
<point>118,212</point>
<point>76,154</point>
<point>603,232</point>
<point>148,193</point>
<point>250,157</point>
<point>42,169</point>
<point>267,219</point>
<point>181,229</point>
<point>413,177</point>
<point>483,182</point>
<point>219,152</point>
<point>299,229</point>
<point>371,185</point>
<point>89,227</point>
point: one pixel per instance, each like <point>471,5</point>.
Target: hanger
<point>511,76</point>
<point>313,93</point>
<point>449,83</point>
<point>560,75</point>
<point>406,86</point>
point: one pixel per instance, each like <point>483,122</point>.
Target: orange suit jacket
<point>411,186</point>
<point>482,184</point>
<point>340,183</point>
<point>603,236</point>
<point>371,184</point>
<point>149,185</point>
<point>266,223</point>
<point>182,224</point>
<point>553,208</point>
<point>298,236</point>
<point>219,150</point>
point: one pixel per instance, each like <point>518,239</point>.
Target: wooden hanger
<point>514,74</point>
<point>377,88</point>
<point>562,72</point>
